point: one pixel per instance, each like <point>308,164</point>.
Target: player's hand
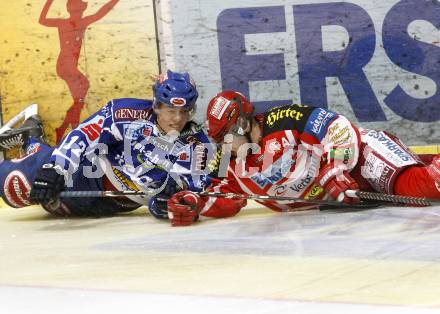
<point>158,206</point>
<point>184,208</point>
<point>335,181</point>
<point>47,185</point>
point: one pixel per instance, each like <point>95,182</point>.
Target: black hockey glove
<point>47,185</point>
<point>158,206</point>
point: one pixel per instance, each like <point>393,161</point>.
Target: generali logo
<point>131,114</point>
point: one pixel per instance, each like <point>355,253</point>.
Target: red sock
<point>417,181</point>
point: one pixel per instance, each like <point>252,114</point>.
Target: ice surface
<point>383,260</point>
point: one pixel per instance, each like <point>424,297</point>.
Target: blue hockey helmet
<point>176,90</point>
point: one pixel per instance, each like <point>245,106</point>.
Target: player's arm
<point>340,154</point>
<point>89,137</point>
<point>185,207</point>
<point>188,159</point>
<point>92,135</point>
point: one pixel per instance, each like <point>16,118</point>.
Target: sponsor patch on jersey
<point>282,113</point>
<point>214,163</point>
<point>273,146</point>
<point>339,133</point>
<point>387,147</point>
<point>279,169</point>
<point>280,190</point>
<point>92,130</point>
<point>135,131</point>
<point>124,181</point>
<point>147,131</point>
<point>130,114</point>
<point>219,107</point>
<point>341,154</point>
<point>33,148</point>
<point>178,101</point>
<point>312,172</point>
<point>201,158</point>
<point>314,192</point>
<point>318,122</point>
<point>290,117</point>
<point>378,173</point>
<point>17,189</point>
<point>30,150</point>
<point>185,154</point>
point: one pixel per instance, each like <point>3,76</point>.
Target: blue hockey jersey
<point>123,144</point>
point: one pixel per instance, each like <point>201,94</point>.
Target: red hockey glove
<point>336,181</point>
<point>184,208</point>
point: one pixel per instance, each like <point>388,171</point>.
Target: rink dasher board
<point>270,51</point>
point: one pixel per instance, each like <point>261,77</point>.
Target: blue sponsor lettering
<point>238,68</point>
<point>315,65</point>
<point>318,121</point>
<point>274,174</point>
<point>414,56</point>
<point>390,145</point>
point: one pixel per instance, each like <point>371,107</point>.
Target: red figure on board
<point>71,32</point>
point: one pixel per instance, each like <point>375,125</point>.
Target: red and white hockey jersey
<point>296,141</point>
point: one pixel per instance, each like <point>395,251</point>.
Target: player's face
<point>235,143</point>
<point>252,135</point>
<point>172,119</point>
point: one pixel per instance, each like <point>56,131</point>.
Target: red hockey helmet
<point>228,111</point>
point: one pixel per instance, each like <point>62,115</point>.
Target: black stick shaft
<point>100,193</point>
<point>80,194</point>
<point>416,201</point>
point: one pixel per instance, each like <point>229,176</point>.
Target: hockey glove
<point>184,208</point>
<point>47,185</point>
<point>335,181</point>
<point>158,206</point>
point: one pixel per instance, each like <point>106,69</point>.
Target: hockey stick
<point>369,196</point>
<point>103,193</point>
<point>215,194</point>
<point>416,201</point>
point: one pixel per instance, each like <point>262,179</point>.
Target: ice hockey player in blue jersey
<point>128,145</point>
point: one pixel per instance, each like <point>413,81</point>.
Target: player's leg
<point>17,175</point>
<point>90,206</point>
<point>387,165</point>
<point>420,181</point>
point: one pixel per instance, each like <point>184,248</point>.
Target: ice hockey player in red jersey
<point>300,152</point>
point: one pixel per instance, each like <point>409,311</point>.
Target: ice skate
<point>32,126</point>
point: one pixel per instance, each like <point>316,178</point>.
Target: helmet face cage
<point>176,90</point>
<point>239,127</point>
<point>242,121</point>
